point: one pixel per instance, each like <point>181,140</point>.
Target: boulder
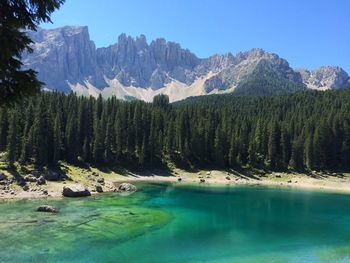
<point>228,178</point>
<point>25,187</point>
<point>99,189</point>
<point>30,178</point>
<point>208,173</point>
<point>101,180</point>
<point>2,177</point>
<point>126,187</point>
<point>202,180</point>
<point>95,174</point>
<point>47,208</point>
<point>52,176</point>
<point>4,182</point>
<point>35,173</point>
<point>75,190</point>
<point>179,179</point>
<point>41,180</point>
<point>21,181</point>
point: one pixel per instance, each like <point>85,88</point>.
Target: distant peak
<point>75,29</point>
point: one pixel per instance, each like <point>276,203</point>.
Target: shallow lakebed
<point>175,223</point>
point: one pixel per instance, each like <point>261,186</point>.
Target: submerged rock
<point>75,190</point>
<point>126,187</point>
<point>99,189</point>
<point>47,208</point>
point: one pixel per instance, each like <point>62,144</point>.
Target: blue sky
<point>308,33</point>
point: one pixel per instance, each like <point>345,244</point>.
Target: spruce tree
<point>57,139</point>
<point>12,139</point>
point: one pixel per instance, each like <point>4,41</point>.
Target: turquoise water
<point>172,223</point>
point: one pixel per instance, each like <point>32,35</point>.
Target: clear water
<point>169,223</point>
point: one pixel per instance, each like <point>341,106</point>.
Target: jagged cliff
<point>67,59</point>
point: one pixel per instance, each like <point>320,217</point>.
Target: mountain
<point>325,78</point>
<point>67,60</point>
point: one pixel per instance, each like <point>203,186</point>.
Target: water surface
<point>172,223</point>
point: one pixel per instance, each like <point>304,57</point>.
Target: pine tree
<point>321,146</point>
<point>86,150</point>
<point>218,146</point>
<point>57,139</point>
<point>233,152</point>
<point>285,147</point>
<point>3,129</point>
<point>274,146</point>
<point>40,131</point>
<point>17,17</point>
<point>28,123</point>
<point>12,139</point>
<point>296,161</point>
<point>118,137</point>
<point>309,153</point>
<point>345,148</point>
<point>98,146</point>
<point>72,144</point>
<point>108,153</point>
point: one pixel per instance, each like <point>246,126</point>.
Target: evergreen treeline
<point>307,130</point>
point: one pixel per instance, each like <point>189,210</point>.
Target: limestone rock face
<point>134,62</point>
<point>67,59</point>
<point>325,78</point>
<point>75,190</point>
<point>245,64</point>
<point>62,56</point>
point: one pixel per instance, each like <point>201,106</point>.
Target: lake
<point>178,223</point>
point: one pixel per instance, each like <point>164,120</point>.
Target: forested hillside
<point>305,130</point>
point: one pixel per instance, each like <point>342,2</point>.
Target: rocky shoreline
<point>42,184</point>
<point>37,184</point>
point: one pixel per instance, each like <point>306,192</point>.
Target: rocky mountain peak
<point>67,59</point>
<point>62,56</point>
<point>325,77</point>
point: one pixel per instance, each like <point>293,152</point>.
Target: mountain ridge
<point>67,60</point>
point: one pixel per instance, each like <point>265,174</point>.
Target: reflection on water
<point>165,223</point>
